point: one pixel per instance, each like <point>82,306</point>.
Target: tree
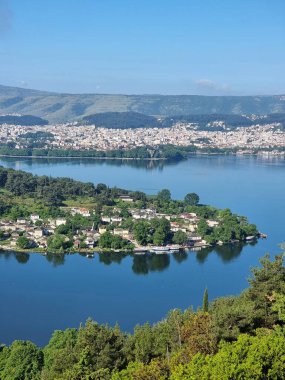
<point>205,301</point>
<point>23,242</point>
<point>268,279</point>
<point>141,232</point>
<point>23,360</point>
<point>159,236</point>
<point>191,199</point>
<point>232,316</point>
<point>105,240</point>
<point>180,237</point>
<point>203,228</point>
<point>58,242</point>
<point>164,195</point>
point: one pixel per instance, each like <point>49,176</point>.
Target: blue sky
<point>209,47</point>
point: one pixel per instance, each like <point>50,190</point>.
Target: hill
<point>122,120</point>
<point>22,120</point>
<point>57,107</point>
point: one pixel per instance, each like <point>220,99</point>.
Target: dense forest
<point>125,120</point>
<point>24,120</point>
<point>122,120</point>
<point>235,337</point>
<point>205,122</point>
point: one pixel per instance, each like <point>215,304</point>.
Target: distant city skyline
<point>203,47</point>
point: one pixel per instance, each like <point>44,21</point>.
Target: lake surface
<point>40,294</point>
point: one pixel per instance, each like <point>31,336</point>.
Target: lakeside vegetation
<point>171,153</point>
<point>235,337</point>
<point>64,215</point>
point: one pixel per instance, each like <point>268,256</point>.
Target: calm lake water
<point>40,294</point>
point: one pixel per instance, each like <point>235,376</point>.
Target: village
<point>36,233</point>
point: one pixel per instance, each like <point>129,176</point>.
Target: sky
<point>207,47</point>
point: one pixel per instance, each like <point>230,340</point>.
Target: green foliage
<point>22,360</point>
<point>58,243</point>
<point>108,240</point>
<point>180,237</point>
<point>232,316</point>
<point>205,307</point>
<point>164,195</point>
<point>141,232</point>
<point>279,305</point>
<point>260,357</point>
<point>122,120</point>
<point>265,282</point>
<point>191,199</point>
<point>23,242</point>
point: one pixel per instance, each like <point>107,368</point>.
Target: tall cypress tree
<point>205,301</point>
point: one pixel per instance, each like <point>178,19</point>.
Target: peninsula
<point>47,214</point>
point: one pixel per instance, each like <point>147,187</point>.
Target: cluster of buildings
<point>38,231</point>
<point>81,137</point>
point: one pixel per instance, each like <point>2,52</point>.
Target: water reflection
<point>56,259</point>
<point>142,264</point>
<point>22,258</point>
<point>136,163</point>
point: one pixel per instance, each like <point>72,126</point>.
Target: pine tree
<point>205,301</point>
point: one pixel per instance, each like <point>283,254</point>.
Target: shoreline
<point>89,157</point>
<point>198,153</point>
<point>134,251</point>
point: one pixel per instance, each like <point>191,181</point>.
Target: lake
<point>42,293</point>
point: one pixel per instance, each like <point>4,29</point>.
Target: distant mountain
<point>68,107</point>
<point>24,120</point>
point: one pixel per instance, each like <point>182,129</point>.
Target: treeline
<point>239,337</point>
<point>163,152</point>
<point>25,120</point>
<point>169,152</point>
<point>51,190</point>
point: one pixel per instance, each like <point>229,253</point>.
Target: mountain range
<point>57,107</point>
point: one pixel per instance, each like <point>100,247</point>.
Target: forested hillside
<point>25,120</point>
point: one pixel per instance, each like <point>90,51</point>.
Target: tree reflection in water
<point>22,258</point>
<point>142,264</point>
<point>56,259</point>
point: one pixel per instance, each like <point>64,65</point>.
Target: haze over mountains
<point>56,107</point>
